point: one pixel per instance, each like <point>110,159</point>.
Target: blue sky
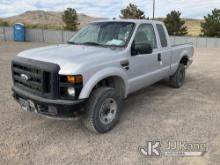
<point>111,8</point>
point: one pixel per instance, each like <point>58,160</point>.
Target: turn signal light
<point>74,79</point>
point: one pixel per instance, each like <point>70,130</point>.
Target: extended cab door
<point>165,51</point>
<point>144,68</point>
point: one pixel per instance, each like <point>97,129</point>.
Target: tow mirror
<point>141,48</point>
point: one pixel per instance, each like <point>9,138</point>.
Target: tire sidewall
<point>99,126</point>
<point>181,72</point>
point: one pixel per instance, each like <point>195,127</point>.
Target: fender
<point>174,65</point>
<point>102,74</point>
<point>184,53</point>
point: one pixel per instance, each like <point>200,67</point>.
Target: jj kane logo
<point>172,148</point>
<point>152,148</point>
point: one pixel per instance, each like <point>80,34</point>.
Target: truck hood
<point>69,57</point>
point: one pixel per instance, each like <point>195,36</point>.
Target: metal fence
<point>6,33</point>
<point>61,36</point>
<point>199,42</point>
<point>38,35</point>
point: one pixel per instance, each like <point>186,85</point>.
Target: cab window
<point>162,35</point>
<point>145,33</point>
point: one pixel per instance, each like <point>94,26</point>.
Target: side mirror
<point>141,48</point>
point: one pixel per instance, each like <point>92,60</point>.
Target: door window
<point>146,34</point>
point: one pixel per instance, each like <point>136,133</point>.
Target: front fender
<point>100,75</point>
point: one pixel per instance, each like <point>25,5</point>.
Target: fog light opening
<point>71,91</point>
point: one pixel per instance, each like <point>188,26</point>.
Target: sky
<point>111,8</point>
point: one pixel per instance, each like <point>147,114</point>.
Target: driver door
<point>144,67</point>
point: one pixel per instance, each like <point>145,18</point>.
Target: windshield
<point>104,34</point>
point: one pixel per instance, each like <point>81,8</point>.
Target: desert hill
<point>48,19</point>
<point>53,20</point>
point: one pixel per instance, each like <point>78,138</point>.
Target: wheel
<point>177,80</point>
<point>102,110</point>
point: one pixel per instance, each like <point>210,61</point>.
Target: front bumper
<point>55,108</point>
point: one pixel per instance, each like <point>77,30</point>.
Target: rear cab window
<point>162,35</point>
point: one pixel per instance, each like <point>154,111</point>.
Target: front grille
<point>38,80</point>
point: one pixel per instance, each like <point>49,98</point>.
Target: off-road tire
<point>91,118</point>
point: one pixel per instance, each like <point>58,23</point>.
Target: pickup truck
<point>91,75</point>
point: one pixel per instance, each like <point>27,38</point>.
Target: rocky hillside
<point>53,20</point>
<point>46,19</point>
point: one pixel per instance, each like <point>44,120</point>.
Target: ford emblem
<point>24,77</point>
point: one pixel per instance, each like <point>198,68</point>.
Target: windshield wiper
<point>88,43</point>
<point>92,43</point>
<point>70,42</point>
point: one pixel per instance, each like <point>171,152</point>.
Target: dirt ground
<point>190,114</point>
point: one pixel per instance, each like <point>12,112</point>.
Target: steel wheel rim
<point>108,111</point>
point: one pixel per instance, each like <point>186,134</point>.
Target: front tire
<point>177,80</point>
<point>102,110</point>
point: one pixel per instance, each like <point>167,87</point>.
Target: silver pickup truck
<point>96,70</point>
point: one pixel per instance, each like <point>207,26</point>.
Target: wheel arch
<point>116,77</point>
<point>184,60</point>
<point>184,57</point>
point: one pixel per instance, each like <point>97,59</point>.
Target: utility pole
<point>153,8</point>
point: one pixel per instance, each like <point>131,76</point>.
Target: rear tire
<point>177,80</point>
<point>102,110</point>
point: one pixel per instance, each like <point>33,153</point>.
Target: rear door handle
<point>159,58</point>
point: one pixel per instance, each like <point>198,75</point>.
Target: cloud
<point>110,8</point>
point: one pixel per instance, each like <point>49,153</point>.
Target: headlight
<point>71,91</point>
<point>70,86</point>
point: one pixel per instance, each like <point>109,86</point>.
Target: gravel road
<point>190,114</point>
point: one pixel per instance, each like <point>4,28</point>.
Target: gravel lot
<point>189,114</point>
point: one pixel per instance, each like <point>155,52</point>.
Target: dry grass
<point>194,28</point>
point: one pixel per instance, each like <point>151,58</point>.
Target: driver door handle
<point>125,64</point>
